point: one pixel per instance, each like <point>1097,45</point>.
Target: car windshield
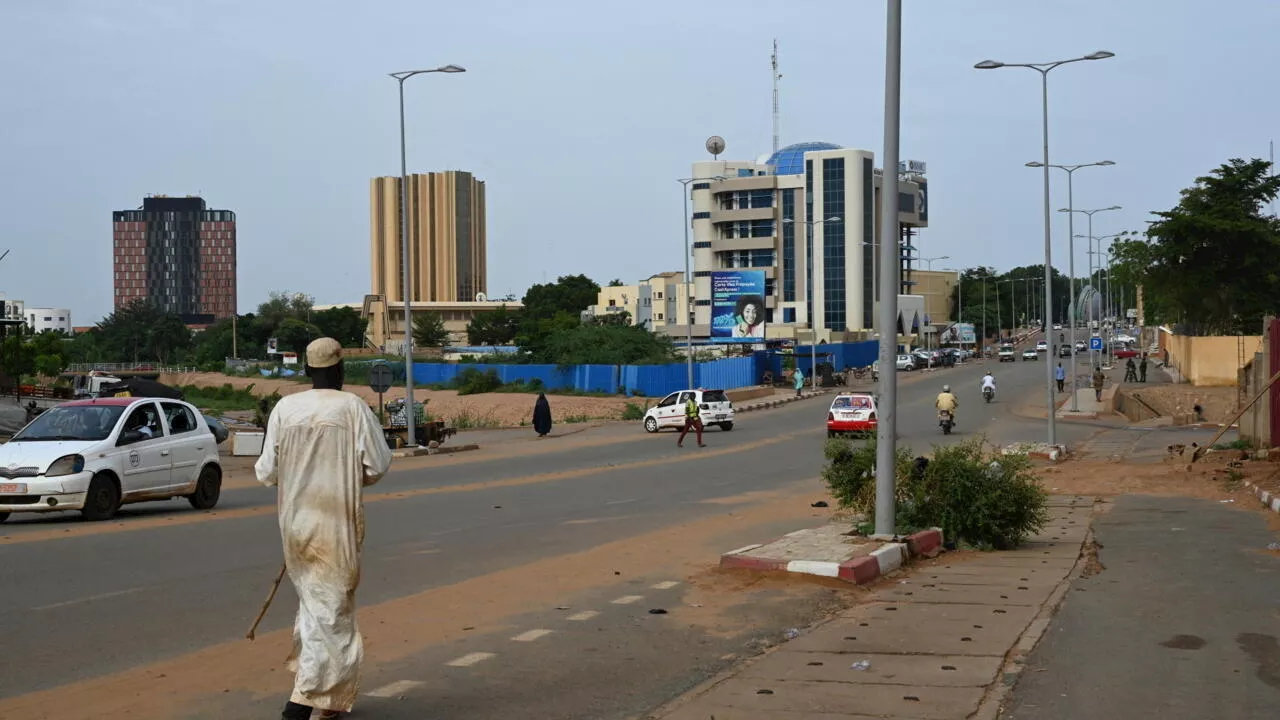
<point>1006,347</point>
<point>76,422</point>
<point>714,396</point>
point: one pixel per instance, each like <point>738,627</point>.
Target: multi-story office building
<point>806,216</point>
<point>446,238</point>
<point>654,303</point>
<point>177,255</point>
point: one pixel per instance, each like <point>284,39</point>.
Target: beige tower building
<point>446,237</point>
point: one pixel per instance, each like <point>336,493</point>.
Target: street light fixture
<point>813,317</point>
<point>1043,69</point>
<point>688,280</point>
<point>1089,214</point>
<point>411,415</point>
<point>932,259</point>
<point>1071,259</point>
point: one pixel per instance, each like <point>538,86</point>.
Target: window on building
<point>659,316</point>
<point>833,245</point>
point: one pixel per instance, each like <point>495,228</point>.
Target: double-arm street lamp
<point>813,316</point>
<point>411,415</point>
<point>688,279</point>
<point>1071,259</point>
<point>1043,69</point>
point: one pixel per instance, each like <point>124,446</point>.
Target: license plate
<point>720,417</point>
<point>13,488</point>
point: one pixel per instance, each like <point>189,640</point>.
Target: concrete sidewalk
<point>928,644</point>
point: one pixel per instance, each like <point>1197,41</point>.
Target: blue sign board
<point>737,306</point>
<point>1095,343</point>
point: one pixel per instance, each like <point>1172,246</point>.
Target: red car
<point>851,413</point>
<point>1124,352</point>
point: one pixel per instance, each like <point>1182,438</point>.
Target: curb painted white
<point>890,557</point>
<point>743,549</point>
<point>1268,500</point>
<point>814,567</point>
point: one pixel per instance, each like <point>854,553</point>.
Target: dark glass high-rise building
<point>177,255</point>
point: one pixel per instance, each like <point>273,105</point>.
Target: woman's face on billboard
<point>750,314</point>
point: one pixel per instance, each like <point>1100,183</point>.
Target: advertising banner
<point>958,333</point>
<point>737,306</point>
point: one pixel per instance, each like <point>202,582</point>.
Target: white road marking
<point>531,635</point>
<point>91,598</point>
<point>584,615</point>
<point>665,585</point>
<point>470,659</point>
<point>628,599</point>
<point>394,689</point>
<point>621,502</point>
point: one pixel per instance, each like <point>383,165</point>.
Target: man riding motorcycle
<point>988,382</point>
<point>948,402</point>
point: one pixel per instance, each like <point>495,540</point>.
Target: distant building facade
<point>447,238</point>
<point>177,255</point>
<point>42,319</point>
<point>654,303</point>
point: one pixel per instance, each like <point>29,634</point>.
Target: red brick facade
<point>130,262</point>
<point>218,268</point>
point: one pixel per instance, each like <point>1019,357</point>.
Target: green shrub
<point>632,411</point>
<point>1238,444</point>
<point>263,412</point>
<point>976,497</point>
<point>473,382</point>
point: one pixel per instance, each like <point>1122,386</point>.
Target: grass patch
<point>577,419</point>
<point>1239,444</point>
<point>468,419</point>
<point>633,411</point>
<point>222,399</point>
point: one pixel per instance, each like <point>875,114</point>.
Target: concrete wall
<point>1255,424</point>
<point>1211,360</point>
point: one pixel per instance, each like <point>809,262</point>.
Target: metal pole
<point>887,427</point>
<point>1071,269</point>
<point>984,318</point>
<point>410,414</point>
<point>688,283</point>
<point>1050,407</point>
<point>1094,360</point>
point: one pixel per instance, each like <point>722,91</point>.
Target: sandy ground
<point>1219,403</point>
<point>1216,476</point>
<point>485,410</point>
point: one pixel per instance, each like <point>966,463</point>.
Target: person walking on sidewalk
<point>799,378</point>
<point>1098,381</point>
<point>692,420</point>
<point>1142,369</point>
<point>322,448</point>
<point>1060,375</point>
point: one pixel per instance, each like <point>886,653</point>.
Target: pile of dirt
<point>488,410</point>
<point>1219,403</point>
<point>1217,476</point>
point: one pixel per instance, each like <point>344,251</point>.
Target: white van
<point>669,412</point>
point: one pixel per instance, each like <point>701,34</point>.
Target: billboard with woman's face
<point>737,306</point>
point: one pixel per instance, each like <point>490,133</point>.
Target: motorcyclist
<point>989,381</point>
<point>947,401</point>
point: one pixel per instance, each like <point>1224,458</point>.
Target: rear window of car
<point>1004,348</point>
<point>714,396</point>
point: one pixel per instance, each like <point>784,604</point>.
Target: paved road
<point>460,560</point>
<point>1182,623</point>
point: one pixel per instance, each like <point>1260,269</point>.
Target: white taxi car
<point>96,455</point>
<point>714,405</point>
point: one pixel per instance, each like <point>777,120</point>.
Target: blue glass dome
<point>790,159</point>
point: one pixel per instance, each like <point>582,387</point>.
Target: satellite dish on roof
<point>481,297</point>
<point>715,145</point>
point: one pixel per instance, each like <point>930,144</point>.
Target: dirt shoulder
<point>1219,403</point>
<point>488,410</point>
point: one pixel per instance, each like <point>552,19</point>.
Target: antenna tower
<point>776,113</point>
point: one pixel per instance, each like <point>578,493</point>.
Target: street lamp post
<point>411,415</point>
<point>688,279</point>
<point>1071,261</point>
<point>813,317</point>
<point>930,260</point>
<point>1043,69</point>
<point>1013,311</point>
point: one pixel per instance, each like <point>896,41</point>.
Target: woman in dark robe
<point>542,415</point>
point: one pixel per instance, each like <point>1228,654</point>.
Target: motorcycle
<point>988,393</point>
<point>945,421</point>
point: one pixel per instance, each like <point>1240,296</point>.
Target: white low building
<point>42,319</point>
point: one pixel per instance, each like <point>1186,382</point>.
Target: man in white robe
<point>322,447</point>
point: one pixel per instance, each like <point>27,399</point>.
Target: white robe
<point>322,447</point>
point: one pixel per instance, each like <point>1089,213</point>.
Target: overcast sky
<point>581,115</point>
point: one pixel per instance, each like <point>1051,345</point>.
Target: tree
<point>343,324</point>
<point>282,305</point>
<point>615,283</point>
<point>429,330</point>
<point>496,327</point>
<point>568,294</point>
<point>215,344</point>
<point>293,334</point>
<point>1210,262</point>
<point>139,331</point>
<point>17,356</point>
<point>49,349</point>
<point>604,345</point>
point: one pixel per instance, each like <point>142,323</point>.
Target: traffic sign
<point>1095,343</point>
<point>380,377</point>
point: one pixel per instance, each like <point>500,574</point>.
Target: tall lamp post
<point>1043,69</point>
<point>688,279</point>
<point>1013,310</point>
<point>932,259</point>
<point>411,415</point>
<point>813,317</point>
<point>1071,260</point>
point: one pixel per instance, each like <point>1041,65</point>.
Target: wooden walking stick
<point>270,596</point>
<point>1227,426</point>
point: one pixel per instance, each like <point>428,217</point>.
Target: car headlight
<point>65,465</point>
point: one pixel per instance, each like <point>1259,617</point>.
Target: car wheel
<point>102,500</point>
<point>208,489</point>
<point>651,424</point>
<point>726,426</point>
<point>4,516</point>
